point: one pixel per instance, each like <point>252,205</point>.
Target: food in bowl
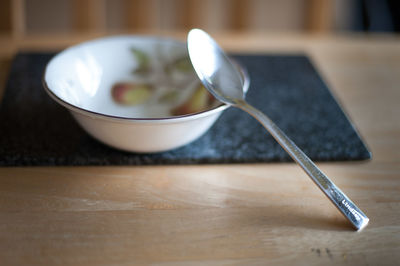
<point>134,93</point>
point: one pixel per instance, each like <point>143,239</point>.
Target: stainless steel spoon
<point>222,79</point>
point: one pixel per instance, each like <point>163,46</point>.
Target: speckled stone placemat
<point>34,130</point>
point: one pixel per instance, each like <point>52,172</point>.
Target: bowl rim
<point>168,119</point>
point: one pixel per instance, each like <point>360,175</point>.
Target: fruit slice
<point>199,101</point>
<point>130,93</point>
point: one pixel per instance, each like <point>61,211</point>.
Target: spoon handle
<point>358,219</point>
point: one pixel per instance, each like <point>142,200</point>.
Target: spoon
<point>222,79</point>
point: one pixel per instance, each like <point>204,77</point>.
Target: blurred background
<point>25,17</point>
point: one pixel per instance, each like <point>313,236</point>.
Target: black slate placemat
<point>34,130</point>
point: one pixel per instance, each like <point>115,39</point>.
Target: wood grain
<point>320,15</point>
<point>252,214</point>
<point>89,15</point>
<point>18,18</point>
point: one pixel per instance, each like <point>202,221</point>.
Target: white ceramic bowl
<point>134,93</point>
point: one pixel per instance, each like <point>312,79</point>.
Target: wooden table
<point>221,214</point>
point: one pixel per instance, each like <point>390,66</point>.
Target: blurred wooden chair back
<point>22,17</point>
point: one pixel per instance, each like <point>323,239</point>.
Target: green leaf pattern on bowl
<point>163,81</point>
<point>143,61</point>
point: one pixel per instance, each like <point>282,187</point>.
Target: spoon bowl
<point>214,68</point>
